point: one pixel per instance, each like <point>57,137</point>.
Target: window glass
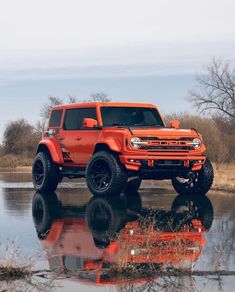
<point>74,117</point>
<point>131,116</point>
<point>55,118</point>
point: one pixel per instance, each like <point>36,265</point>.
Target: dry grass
<point>224,177</point>
<point>138,259</point>
<point>17,271</point>
<point>13,265</point>
<point>13,161</point>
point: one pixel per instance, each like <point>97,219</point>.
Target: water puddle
<point>152,240</point>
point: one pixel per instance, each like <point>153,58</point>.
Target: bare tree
<point>215,91</point>
<point>46,108</point>
<point>72,99</point>
<point>53,101</point>
<point>100,97</point>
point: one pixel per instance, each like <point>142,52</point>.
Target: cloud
<point>127,61</point>
<point>79,24</point>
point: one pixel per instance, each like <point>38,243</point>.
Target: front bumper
<point>156,163</point>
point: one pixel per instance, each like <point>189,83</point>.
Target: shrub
<point>20,138</point>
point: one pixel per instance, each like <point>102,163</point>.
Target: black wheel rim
<point>191,181</point>
<point>100,175</point>
<point>38,173</point>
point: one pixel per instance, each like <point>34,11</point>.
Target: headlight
<point>135,142</point>
<point>197,143</point>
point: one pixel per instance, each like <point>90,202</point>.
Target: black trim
<point>73,171</point>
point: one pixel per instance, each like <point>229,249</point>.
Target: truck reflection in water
<point>115,236</point>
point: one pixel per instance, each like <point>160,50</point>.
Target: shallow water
<point>85,236</point>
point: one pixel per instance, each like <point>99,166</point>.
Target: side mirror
<point>175,124</point>
<point>89,123</point>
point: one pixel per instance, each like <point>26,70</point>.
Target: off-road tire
<point>199,207</point>
<point>45,173</point>
<point>105,176</point>
<point>202,183</point>
<point>104,217</point>
<point>45,209</point>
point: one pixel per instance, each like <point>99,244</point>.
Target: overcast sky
<point>133,50</point>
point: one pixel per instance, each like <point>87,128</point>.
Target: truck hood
<point>164,132</point>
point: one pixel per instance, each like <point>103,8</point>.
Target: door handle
<point>60,137</point>
<point>78,138</point>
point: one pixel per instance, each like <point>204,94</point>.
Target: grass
<point>14,161</point>
<point>13,265</point>
<point>145,259</point>
<point>224,177</point>
<point>17,271</point>
<point>168,274</point>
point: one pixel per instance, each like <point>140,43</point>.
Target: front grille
<point>184,148</point>
<point>167,144</point>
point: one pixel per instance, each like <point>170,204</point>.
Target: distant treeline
<point>21,139</point>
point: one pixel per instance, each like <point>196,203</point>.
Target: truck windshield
<point>131,116</point>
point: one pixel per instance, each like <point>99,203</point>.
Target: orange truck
<point>117,145</point>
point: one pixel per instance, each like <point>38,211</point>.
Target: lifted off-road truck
<point>117,145</point>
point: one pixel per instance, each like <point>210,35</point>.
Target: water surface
<point>81,238</point>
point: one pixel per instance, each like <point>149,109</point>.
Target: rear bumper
<point>157,163</point>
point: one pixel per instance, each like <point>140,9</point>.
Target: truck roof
<point>99,104</point>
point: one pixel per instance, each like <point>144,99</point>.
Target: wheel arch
<point>108,147</point>
<point>52,149</point>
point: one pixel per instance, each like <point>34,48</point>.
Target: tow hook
<point>186,163</point>
<point>150,163</point>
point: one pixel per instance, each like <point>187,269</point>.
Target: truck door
<point>77,141</point>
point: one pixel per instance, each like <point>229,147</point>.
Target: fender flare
<point>112,143</point>
<point>51,144</point>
